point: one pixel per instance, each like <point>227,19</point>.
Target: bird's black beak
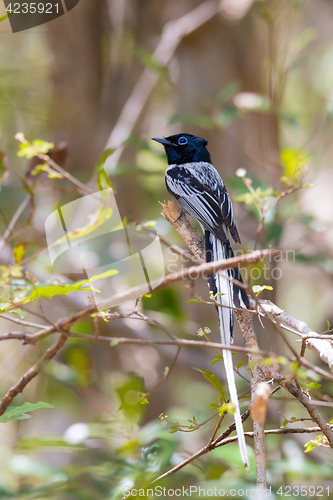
<point>163,141</point>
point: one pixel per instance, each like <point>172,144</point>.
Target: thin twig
<point>31,373</point>
<point>166,375</point>
<point>13,221</point>
<point>22,321</point>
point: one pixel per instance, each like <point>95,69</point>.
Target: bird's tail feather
<point>218,250</point>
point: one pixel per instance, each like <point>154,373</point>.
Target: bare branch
<point>321,344</point>
<point>285,430</point>
<point>22,321</point>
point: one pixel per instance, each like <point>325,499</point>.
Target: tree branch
<point>321,344</point>
<point>31,373</point>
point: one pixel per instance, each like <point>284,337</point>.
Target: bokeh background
<point>256,80</point>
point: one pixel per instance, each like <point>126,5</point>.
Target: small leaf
<point>314,385</point>
<point>260,288</point>
<point>285,422</point>
<point>213,380</point>
<point>309,448</point>
<point>19,252</point>
<point>328,325</point>
<point>227,407</point>
<point>218,358</point>
<point>194,301</point>
<point>103,179</point>
<point>239,364</point>
<point>114,342</point>
<point>47,292</point>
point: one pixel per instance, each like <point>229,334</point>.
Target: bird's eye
<point>182,141</point>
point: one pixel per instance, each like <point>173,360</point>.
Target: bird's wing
<point>201,191</point>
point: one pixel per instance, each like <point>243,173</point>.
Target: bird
<point>197,186</point>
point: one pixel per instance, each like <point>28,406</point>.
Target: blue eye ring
<point>182,141</point>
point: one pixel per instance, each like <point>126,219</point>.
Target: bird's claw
<point>181,212</point>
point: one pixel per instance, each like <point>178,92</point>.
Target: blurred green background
<point>256,81</point>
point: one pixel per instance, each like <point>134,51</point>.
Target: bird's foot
<point>181,212</point>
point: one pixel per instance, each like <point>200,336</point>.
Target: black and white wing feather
<point>200,190</point>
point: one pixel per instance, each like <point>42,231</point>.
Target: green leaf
<point>114,342</point>
<point>227,407</point>
<point>218,358</point>
<point>260,288</point>
<point>193,301</point>
<point>213,380</point>
<point>239,364</point>
<point>328,325</point>
<point>47,292</point>
<point>312,385</point>
<point>103,179</point>
<point>19,412</point>
<point>285,422</point>
<point>309,447</point>
<point>19,252</point>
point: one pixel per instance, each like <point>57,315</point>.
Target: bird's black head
<point>184,148</point>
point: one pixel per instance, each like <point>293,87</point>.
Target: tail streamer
<point>231,297</point>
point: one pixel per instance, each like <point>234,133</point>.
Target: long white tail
<point>231,297</point>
